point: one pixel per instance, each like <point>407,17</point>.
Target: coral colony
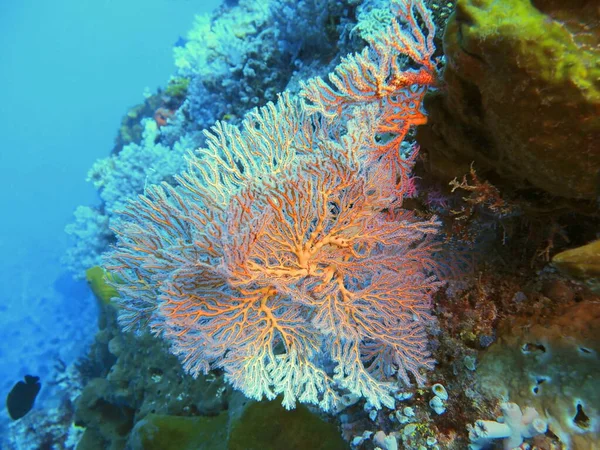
<point>284,256</point>
<point>270,230</point>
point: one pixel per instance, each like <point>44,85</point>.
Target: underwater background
<point>390,238</point>
<point>69,71</point>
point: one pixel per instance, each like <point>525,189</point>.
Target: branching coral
<point>283,257</point>
<point>380,75</point>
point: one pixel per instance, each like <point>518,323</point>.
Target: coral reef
<point>91,235</point>
<point>551,364</point>
<point>233,63</point>
<point>252,262</point>
<point>119,395</point>
<point>158,407</point>
<point>513,427</point>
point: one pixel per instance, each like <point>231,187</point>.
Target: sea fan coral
<point>277,275</point>
<point>394,71</point>
<point>284,258</point>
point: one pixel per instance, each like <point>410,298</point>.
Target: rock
<point>522,95</point>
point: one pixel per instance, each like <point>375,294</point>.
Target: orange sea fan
<point>283,256</point>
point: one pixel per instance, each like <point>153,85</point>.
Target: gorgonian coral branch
<point>283,256</point>
<point>392,72</point>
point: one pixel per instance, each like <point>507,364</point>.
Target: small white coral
<point>440,391</point>
<point>513,427</point>
<point>437,404</point>
<point>385,442</point>
<point>215,45</point>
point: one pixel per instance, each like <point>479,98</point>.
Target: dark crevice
<point>460,44</point>
<point>581,419</point>
<point>539,381</point>
<point>533,348</point>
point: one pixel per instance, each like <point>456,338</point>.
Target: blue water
<point>69,70</point>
